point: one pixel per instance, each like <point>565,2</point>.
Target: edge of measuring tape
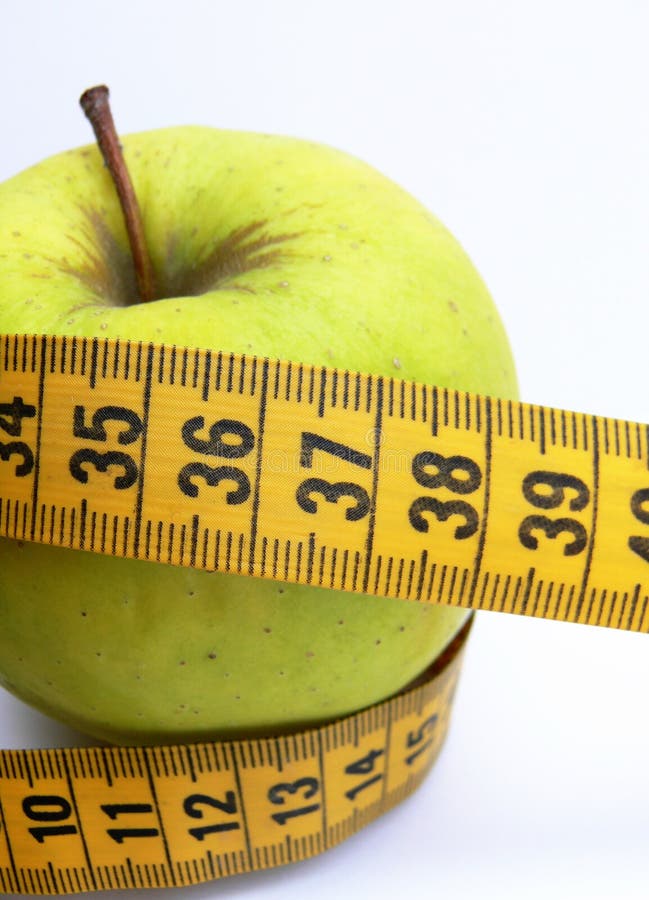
<point>86,819</point>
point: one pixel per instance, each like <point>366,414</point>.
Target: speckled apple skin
<point>264,245</point>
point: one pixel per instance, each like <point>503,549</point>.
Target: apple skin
<point>261,244</point>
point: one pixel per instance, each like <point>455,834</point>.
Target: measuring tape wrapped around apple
<point>269,545</point>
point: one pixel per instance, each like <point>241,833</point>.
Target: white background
<point>525,127</point>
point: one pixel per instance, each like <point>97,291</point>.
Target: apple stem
<point>95,105</point>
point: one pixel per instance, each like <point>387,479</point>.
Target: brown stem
<point>95,105</point>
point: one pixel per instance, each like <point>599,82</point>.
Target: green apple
<point>264,245</point>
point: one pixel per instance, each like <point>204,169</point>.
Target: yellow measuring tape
<point>76,820</point>
<point>324,477</point>
<point>307,474</point>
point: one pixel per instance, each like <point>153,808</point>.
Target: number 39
<point>558,483</point>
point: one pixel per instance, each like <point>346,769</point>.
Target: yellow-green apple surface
<point>260,245</point>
